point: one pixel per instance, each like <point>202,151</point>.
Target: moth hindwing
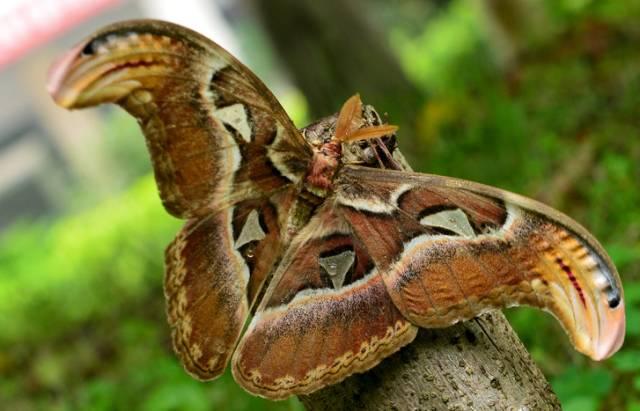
<point>339,253</point>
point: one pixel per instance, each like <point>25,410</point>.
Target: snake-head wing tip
<point>612,330</point>
<point>57,74</point>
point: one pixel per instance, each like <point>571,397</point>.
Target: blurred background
<point>540,97</point>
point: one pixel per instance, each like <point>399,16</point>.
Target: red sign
<point>31,23</point>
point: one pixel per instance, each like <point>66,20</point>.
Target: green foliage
<point>435,59</point>
<point>82,314</point>
<point>582,389</point>
<point>116,244</point>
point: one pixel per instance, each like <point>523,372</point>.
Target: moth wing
<point>205,287</point>
<point>215,133</point>
<point>215,269</point>
<point>450,249</point>
<point>326,315</point>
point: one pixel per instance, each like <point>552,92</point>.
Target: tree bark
<point>480,364</point>
<point>475,365</point>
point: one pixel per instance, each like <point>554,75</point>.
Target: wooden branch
<point>479,365</point>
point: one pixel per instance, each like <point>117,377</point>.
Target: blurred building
<point>43,149</point>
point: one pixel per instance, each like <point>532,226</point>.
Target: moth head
<point>364,137</point>
<point>320,132</point>
<point>115,63</point>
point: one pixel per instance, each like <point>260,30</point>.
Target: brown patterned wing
<point>449,249</point>
<point>214,270</point>
<point>325,316</point>
<point>215,133</point>
<point>225,156</point>
<point>206,298</point>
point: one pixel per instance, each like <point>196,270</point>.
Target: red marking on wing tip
<point>573,279</point>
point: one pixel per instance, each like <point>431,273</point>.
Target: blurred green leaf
<point>580,404</point>
<point>587,386</point>
<point>633,321</point>
<point>169,397</point>
<point>98,395</point>
<point>435,60</point>
<point>632,292</point>
<point>627,360</point>
<point>622,254</point>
